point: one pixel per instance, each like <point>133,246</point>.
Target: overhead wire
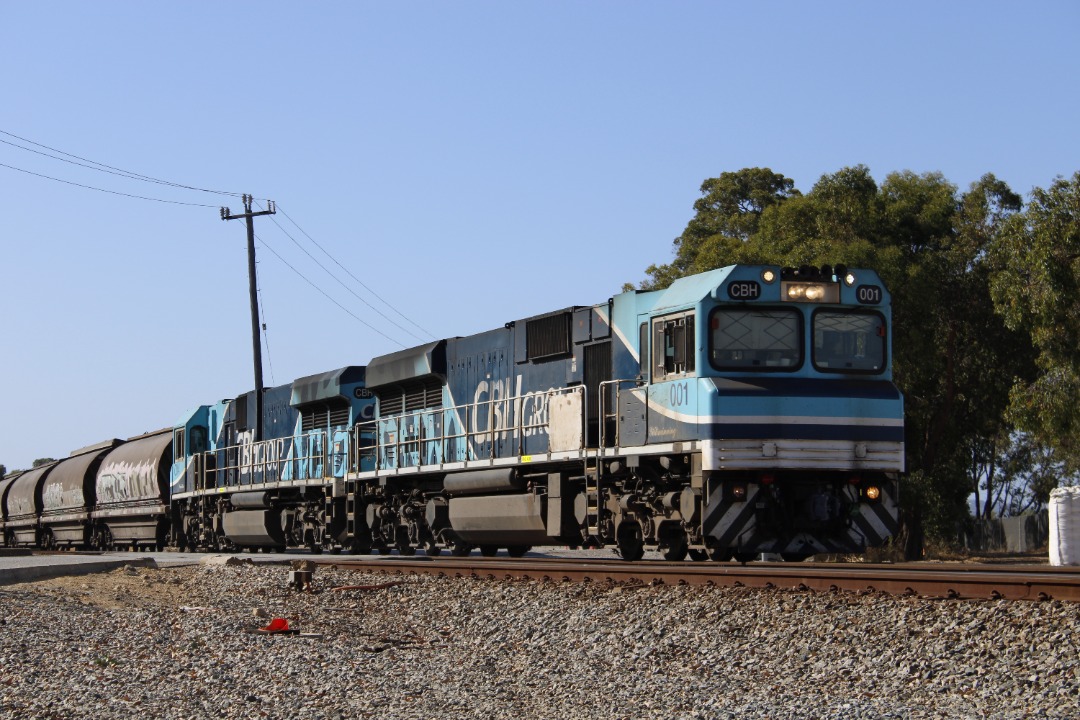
<point>340,282</point>
<point>324,294</point>
<point>111,192</point>
<point>106,168</point>
<point>120,172</point>
<point>265,332</point>
<point>350,274</point>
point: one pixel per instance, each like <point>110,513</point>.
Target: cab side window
<point>673,346</point>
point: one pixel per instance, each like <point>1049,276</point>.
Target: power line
<point>105,168</point>
<point>428,333</point>
<point>358,280</point>
<point>111,192</point>
<point>349,289</point>
<point>323,293</point>
<point>266,335</point>
<point>112,170</point>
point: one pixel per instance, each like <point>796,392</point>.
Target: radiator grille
<point>411,396</point>
<point>548,337</point>
<point>323,416</point>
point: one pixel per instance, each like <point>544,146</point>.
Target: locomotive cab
<point>781,379</point>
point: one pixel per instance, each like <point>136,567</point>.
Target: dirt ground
<point>124,587</point>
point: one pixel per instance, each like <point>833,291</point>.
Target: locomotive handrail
<point>239,465</point>
<point>412,437</point>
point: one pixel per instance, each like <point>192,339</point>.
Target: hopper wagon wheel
<point>105,538</point>
<point>489,550</point>
<point>460,549</point>
<point>516,551</point>
<point>432,547</point>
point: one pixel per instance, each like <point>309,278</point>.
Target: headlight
<point>810,292</point>
<point>873,493</point>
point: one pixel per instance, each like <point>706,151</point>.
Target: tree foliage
<point>43,461</point>
<point>1037,290</point>
<point>726,214</point>
<point>955,358</point>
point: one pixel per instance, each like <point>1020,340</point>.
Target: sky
<point>439,168</point>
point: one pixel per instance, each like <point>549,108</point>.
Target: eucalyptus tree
<point>954,358</point>
<point>1037,290</point>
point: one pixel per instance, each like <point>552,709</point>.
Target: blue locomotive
<point>744,410</point>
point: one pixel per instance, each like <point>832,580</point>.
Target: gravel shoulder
<point>179,643</point>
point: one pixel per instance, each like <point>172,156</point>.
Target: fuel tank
<point>499,519</point>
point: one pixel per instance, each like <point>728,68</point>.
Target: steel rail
<point>968,581</point>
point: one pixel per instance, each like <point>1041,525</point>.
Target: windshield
<point>755,339</point>
<point>849,342</point>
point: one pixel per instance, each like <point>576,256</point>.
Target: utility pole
<point>256,335</point>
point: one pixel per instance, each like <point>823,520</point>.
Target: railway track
<point>971,581</point>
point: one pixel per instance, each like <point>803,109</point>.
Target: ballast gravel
<point>181,643</point>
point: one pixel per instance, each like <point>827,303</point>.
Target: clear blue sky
<point>470,162</point>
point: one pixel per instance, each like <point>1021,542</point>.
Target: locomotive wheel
<point>404,547</point>
<point>516,551</point>
<point>630,542</point>
<point>698,555</point>
<point>794,557</point>
<point>719,554</point>
<point>489,550</point>
<point>745,557</point>
<point>359,548</point>
<point>677,552</point>
<point>314,540</point>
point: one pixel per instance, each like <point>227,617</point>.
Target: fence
<point>1024,533</point>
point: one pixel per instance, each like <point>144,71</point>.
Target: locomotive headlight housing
<point>810,292</point>
<point>737,491</point>
<point>872,493</point>
<point>768,276</point>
